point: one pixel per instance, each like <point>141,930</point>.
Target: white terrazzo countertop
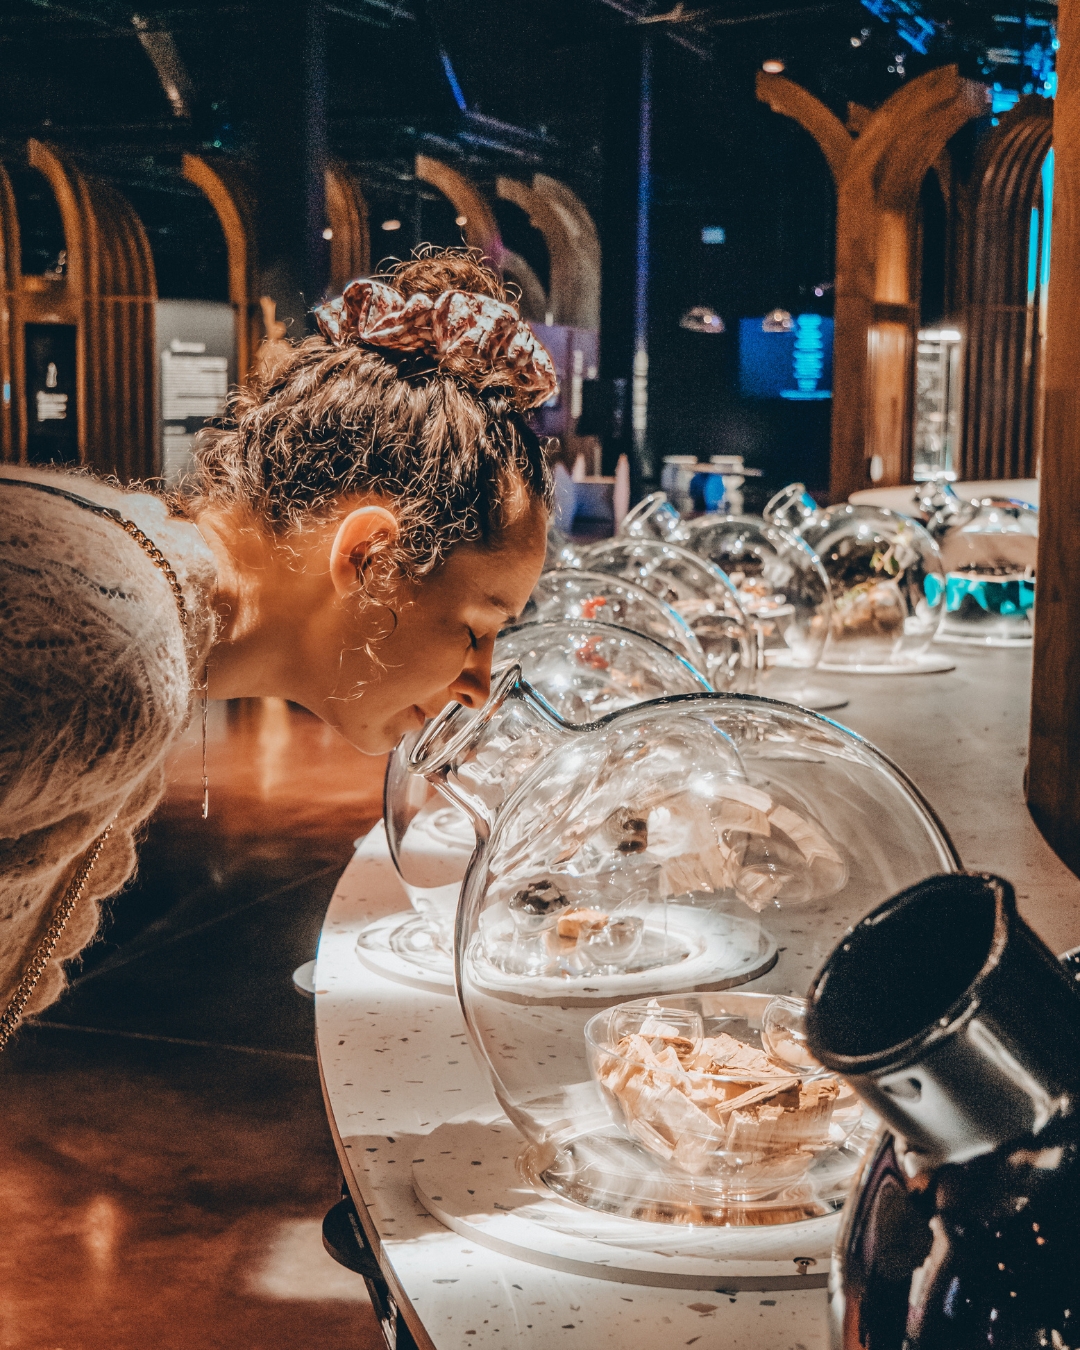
<point>395,1062</point>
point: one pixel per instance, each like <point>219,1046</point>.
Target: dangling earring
<point>205,780</point>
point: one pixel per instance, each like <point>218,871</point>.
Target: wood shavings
<point>714,1104</point>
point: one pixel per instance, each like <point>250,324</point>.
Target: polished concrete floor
<point>165,1161</point>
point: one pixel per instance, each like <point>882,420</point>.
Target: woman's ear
<point>353,541</point>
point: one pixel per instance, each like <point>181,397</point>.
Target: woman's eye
<point>473,642</point>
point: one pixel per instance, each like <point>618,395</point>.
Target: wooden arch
<point>12,369</point>
<point>533,304</point>
<point>878,180</point>
<point>481,228</point>
<point>482,232</point>
<point>572,244</point>
<point>1003,357</point>
<point>347,217</point>
<point>107,293</point>
<point>229,192</point>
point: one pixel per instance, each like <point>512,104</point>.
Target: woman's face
<point>441,646</point>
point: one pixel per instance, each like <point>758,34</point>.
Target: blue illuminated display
<point>1020,46</point>
<point>915,29</point>
<point>796,365</point>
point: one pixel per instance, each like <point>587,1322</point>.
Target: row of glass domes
<point>633,875</point>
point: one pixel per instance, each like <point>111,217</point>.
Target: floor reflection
<point>165,1161</point>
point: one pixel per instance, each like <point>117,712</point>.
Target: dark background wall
<point>510,87</point>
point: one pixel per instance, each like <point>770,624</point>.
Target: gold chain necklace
<point>12,1014</point>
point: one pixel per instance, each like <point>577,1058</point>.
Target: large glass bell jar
<point>888,584</point>
<point>584,671</point>
<point>696,589</point>
<point>569,594</point>
<point>638,912</point>
<point>988,552</point>
<point>779,581</point>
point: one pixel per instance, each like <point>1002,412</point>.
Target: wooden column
<point>878,178</point>
<point>1053,784</point>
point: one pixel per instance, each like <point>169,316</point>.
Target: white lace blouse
<point>97,682</point>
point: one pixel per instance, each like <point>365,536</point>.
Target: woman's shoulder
<point>95,668</point>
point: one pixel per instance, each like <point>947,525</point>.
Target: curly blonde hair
<point>457,463</point>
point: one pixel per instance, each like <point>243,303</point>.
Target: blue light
<point>770,363</point>
<point>916,30</point>
<point>1004,99</point>
<point>808,359</point>
<point>1033,254</point>
<point>713,234</point>
<point>1048,215</point>
<point>452,80</point>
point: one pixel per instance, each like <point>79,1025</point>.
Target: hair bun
<point>477,337</point>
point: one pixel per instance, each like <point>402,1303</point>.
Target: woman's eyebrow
<point>496,603</point>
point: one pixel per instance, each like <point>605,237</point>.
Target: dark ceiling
<point>509,86</point>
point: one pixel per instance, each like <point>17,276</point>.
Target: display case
<point>635,906</point>
<point>887,580</point>
<point>699,591</point>
<point>938,385</point>
<point>583,671</point>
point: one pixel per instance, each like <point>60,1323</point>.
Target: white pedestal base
<point>474,1178</point>
<point>374,950</point>
<point>926,664</point>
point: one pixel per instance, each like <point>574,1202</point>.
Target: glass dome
<point>561,549</point>
<point>888,586</point>
<point>654,517</point>
<point>570,594</point>
<point>780,583</point>
<point>700,592</point>
<point>584,671</point>
<point>676,865</point>
<point>988,553</point>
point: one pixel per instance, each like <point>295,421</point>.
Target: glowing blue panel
<point>795,365</point>
<point>1048,215</point>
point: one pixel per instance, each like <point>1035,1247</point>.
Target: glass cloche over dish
<point>568,594</point>
<point>780,583</point>
<point>988,552</point>
<point>888,586</point>
<point>698,590</point>
<point>584,671</point>
<point>632,925</point>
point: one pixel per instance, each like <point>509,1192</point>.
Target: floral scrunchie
<point>471,335</point>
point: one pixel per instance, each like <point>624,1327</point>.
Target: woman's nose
<point>473,685</point>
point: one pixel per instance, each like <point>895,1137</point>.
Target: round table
<point>903,498</point>
<point>395,1061</point>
